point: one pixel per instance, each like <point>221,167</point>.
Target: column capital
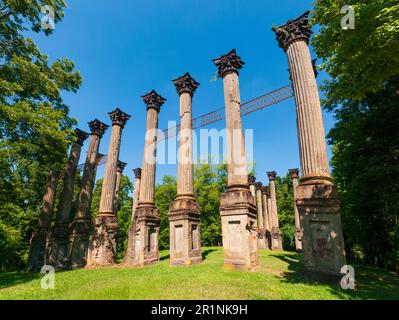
<point>153,100</point>
<point>251,180</point>
<point>264,192</point>
<point>294,173</point>
<point>137,173</point>
<point>259,186</point>
<point>121,166</point>
<point>186,84</point>
<point>229,63</point>
<point>81,136</point>
<point>97,127</point>
<point>297,29</point>
<point>272,175</point>
<point>118,117</point>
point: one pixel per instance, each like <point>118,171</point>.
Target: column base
<point>185,239</point>
<point>240,236</point>
<point>146,238</point>
<point>277,241</point>
<point>262,242</point>
<point>128,259</point>
<point>102,247</point>
<point>79,242</point>
<point>59,257</point>
<point>38,252</point>
<point>322,242</point>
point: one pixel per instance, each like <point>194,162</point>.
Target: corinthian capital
<point>229,63</point>
<point>186,84</point>
<point>297,29</point>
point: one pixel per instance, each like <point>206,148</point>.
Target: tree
<point>359,61</point>
<point>363,93</point>
<point>35,129</point>
<point>165,193</point>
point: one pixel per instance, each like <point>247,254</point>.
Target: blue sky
<point>126,48</point>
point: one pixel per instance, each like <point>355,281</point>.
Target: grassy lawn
<point>279,278</point>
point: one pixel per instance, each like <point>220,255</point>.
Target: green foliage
<point>165,193</point>
<point>359,61</point>
<point>285,205</point>
<point>364,95</point>
<point>35,129</point>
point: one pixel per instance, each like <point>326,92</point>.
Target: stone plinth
<point>237,206</point>
<point>323,246</point>
<point>185,239</point>
<point>240,234</point>
<point>147,223</point>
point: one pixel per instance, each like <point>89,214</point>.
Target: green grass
<point>279,278</point>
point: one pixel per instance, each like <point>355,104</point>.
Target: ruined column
<point>129,257</point>
<point>237,205</point>
<point>146,215</point>
<point>252,181</point>
<point>81,226</point>
<point>41,236</point>
<point>119,171</point>
<point>298,232</point>
<point>184,213</point>
<point>266,219</point>
<point>59,256</point>
<point>277,242</point>
<point>102,249</point>
<point>317,198</point>
<point>261,227</point>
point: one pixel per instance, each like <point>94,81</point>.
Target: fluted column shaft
<point>185,179</point>
<point>236,158</point>
<point>147,187</point>
<point>109,183</point>
<point>89,173</point>
<point>252,189</point>
<point>298,232</point>
<point>311,133</point>
<point>275,223</point>
<point>266,213</point>
<point>117,189</point>
<point>65,204</point>
<point>48,200</point>
<point>270,210</point>
<point>260,209</point>
<point>136,196</point>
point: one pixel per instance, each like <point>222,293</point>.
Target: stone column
<point>261,227</point>
<point>102,250</point>
<point>277,242</point>
<point>269,210</point>
<point>81,226</point>
<point>41,236</point>
<point>298,232</point>
<point>184,213</point>
<point>129,257</point>
<point>252,181</point>
<point>237,205</point>
<point>146,215</point>
<point>119,171</point>
<point>59,257</point>
<point>317,198</point>
<point>266,219</point>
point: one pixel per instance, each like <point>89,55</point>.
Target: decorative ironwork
<point>247,108</point>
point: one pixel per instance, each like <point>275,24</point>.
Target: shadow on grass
<point>11,279</point>
<point>371,283</point>
<point>206,253</point>
<point>164,257</point>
